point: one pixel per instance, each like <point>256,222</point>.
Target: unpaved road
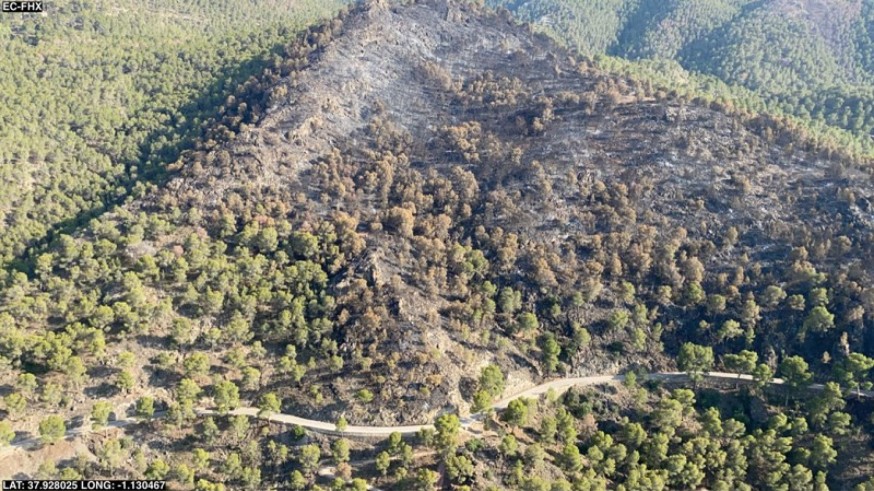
<point>559,386</point>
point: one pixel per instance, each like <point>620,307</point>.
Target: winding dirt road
<point>559,386</point>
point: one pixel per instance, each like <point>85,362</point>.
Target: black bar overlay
<point>90,484</point>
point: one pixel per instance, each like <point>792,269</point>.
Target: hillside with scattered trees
<point>417,210</point>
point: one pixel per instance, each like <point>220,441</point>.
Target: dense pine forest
<point>98,96</point>
<point>409,214</point>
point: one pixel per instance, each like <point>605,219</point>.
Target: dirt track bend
<point>559,386</point>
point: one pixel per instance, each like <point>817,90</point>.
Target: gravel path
<point>559,386</point>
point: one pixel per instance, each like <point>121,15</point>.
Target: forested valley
<point>809,59</point>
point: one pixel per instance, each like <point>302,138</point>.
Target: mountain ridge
<point>810,59</point>
<point>349,123</point>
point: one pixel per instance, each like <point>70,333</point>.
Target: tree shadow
<point>105,389</point>
<point>152,341</point>
<point>77,421</point>
<point>21,436</point>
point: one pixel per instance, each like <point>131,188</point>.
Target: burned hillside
<point>416,191</point>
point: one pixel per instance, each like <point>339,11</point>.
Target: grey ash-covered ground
<point>471,193</point>
<point>437,127</point>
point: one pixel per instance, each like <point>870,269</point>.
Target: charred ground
<point>417,191</point>
<point>473,173</point>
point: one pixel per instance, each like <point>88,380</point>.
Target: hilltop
<point>486,189</point>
